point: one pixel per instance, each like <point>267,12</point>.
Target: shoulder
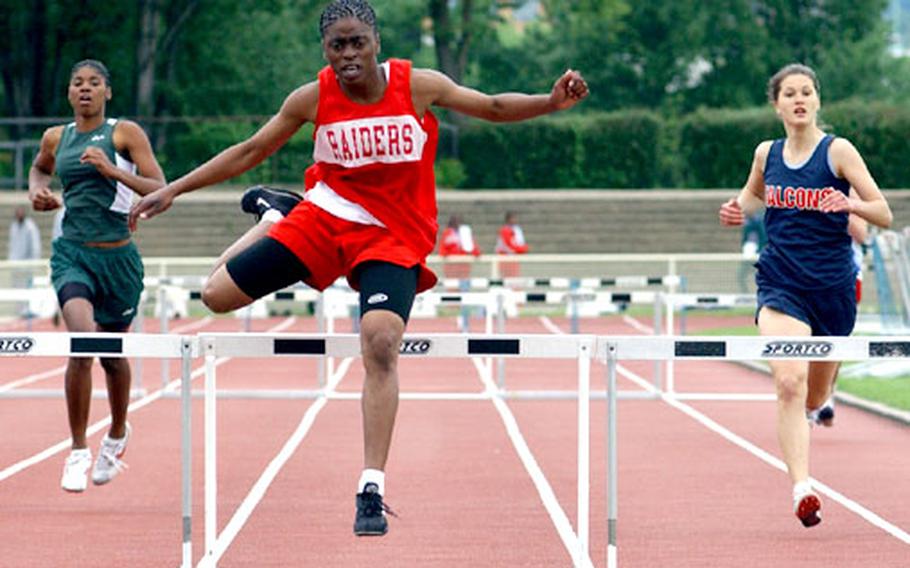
<point>762,151</point>
<point>128,128</point>
<point>53,135</point>
<point>841,147</point>
<point>303,101</point>
<point>425,81</point>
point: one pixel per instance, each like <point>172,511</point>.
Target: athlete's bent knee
<point>215,300</point>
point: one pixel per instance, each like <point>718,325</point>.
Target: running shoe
<point>807,506</point>
<point>75,471</point>
<point>109,464</point>
<point>259,199</point>
<point>825,415</point>
<point>371,511</point>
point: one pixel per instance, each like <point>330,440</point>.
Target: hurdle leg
<point>612,491</point>
<point>186,453</point>
<point>584,451</point>
<point>211,467</point>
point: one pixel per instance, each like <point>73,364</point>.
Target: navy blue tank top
<point>807,249</point>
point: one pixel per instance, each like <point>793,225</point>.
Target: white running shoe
<point>75,471</point>
<point>109,464</point>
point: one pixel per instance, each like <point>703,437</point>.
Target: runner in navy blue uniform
<point>806,277</point>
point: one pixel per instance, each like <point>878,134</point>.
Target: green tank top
<point>96,206</point>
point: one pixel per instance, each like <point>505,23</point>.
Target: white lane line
<point>551,327</point>
<point>645,329</point>
<point>851,505</point>
<point>253,498</point>
<point>31,379</point>
<point>547,496</point>
<point>97,426</point>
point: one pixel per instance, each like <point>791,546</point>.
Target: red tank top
<point>379,156</point>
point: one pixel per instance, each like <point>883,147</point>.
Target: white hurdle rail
<point>137,345</point>
<point>578,347</point>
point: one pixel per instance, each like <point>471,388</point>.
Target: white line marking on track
<point>97,426</point>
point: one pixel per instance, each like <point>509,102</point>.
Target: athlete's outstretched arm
<point>299,107</point>
<point>752,196</point>
<point>870,204</point>
<point>430,87</point>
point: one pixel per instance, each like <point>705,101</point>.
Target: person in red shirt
<point>457,240</point>
<point>511,240</point>
<point>369,212</point>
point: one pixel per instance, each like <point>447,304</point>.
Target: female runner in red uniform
<point>369,212</point>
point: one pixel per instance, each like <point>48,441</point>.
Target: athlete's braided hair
<point>340,9</point>
<point>94,64</point>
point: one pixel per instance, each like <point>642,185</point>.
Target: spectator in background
<point>753,241</point>
<point>24,244</point>
<point>24,237</point>
<point>511,240</point>
<point>457,240</point>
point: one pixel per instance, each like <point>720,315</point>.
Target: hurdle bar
<point>578,347</point>
<point>138,345</point>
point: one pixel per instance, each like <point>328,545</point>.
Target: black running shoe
<point>260,198</point>
<point>826,416</point>
<point>370,519</point>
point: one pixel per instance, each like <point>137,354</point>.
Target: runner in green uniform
<point>95,267</point>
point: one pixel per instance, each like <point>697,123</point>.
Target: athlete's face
<point>350,46</point>
<point>797,102</point>
<point>88,91</point>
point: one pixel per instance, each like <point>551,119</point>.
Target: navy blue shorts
<point>829,312</point>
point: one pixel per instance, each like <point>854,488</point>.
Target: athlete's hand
<point>95,156</point>
<point>43,199</point>
<point>731,214</point>
<point>152,204</point>
<point>836,202</point>
<point>568,90</point>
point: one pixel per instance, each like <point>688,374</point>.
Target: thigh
<point>119,274</point>
<point>262,268</point>
<point>386,286</point>
<point>772,322</point>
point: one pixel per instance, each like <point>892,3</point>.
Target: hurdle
<point>578,347</point>
<point>139,345</point>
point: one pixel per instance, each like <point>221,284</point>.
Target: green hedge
<point>620,150</point>
<point>535,154</point>
<point>880,132</point>
<point>598,150</point>
<point>716,146</point>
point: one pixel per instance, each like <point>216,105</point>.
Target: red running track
<point>688,496</point>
